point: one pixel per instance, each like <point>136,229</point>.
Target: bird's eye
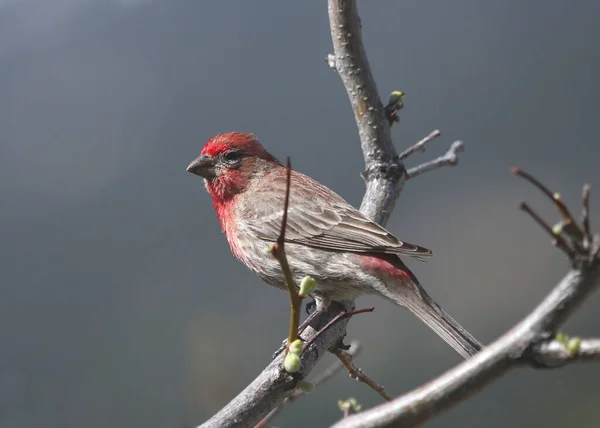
<point>232,157</point>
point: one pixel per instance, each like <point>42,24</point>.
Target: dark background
<point>120,303</point>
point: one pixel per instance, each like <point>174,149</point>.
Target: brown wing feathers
<point>329,223</point>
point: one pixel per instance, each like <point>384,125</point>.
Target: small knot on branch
<point>391,170</point>
<point>330,60</point>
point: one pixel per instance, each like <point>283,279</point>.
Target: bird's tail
<point>444,325</point>
<point>413,296</point>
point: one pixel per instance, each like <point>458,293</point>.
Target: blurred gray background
<point>120,303</point>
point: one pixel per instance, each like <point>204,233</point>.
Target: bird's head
<point>229,161</point>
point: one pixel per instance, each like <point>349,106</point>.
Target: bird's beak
<point>203,165</point>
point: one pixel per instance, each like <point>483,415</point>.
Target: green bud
<point>562,338</point>
<point>557,229</point>
<point>349,404</point>
<point>291,363</point>
<point>354,404</point>
<point>296,347</point>
<point>396,97</point>
<point>573,346</point>
<point>307,286</point>
<point>268,249</point>
<point>306,387</point>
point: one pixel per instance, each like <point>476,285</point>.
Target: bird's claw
<point>311,306</point>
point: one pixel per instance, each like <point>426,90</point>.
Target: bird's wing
<point>319,218</point>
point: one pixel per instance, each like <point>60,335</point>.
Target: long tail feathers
<point>423,306</point>
<point>446,327</point>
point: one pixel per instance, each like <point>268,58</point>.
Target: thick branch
<point>384,172</point>
<point>511,350</point>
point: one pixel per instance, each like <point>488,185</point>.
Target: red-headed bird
<point>346,253</point>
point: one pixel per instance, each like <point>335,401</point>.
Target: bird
<point>346,253</point>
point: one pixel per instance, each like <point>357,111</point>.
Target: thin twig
<point>450,158</point>
<point>305,324</point>
<point>321,378</point>
<point>585,215</point>
<point>557,239</point>
<point>339,317</point>
<point>554,197</point>
<point>278,252</point>
<point>359,375</point>
<point>337,365</point>
<point>419,146</point>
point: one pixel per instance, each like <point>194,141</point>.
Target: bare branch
<point>554,354</point>
<point>356,373</point>
<point>529,343</point>
<point>450,158</point>
<point>353,351</point>
<point>419,146</point>
<point>585,214</point>
<point>339,317</point>
<point>554,197</point>
<point>384,172</point>
<point>557,240</point>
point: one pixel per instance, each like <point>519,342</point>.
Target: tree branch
<point>531,342</point>
<point>419,146</point>
<point>450,158</point>
<point>384,172</point>
<point>356,373</point>
<point>552,353</point>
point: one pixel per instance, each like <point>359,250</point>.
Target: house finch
<point>346,253</point>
